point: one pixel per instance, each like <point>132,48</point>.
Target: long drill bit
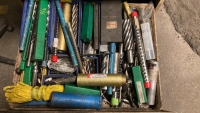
<point>33,33</point>
<point>73,41</point>
<point>128,40</point>
<point>140,50</point>
<point>44,62</point>
<point>75,19</point>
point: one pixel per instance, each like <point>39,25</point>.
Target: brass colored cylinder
<point>67,15</point>
<point>101,80</point>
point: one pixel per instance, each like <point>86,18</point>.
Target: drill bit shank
<point>35,74</point>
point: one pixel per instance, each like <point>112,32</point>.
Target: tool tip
<point>147,84</point>
<point>134,13</point>
<point>54,58</point>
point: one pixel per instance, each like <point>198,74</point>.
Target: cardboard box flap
<point>157,3</point>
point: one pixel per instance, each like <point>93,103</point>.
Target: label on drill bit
<point>111,24</point>
<point>140,92</point>
<point>55,43</point>
<point>97,75</point>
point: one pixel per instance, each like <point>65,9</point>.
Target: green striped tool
<point>139,85</point>
<point>41,30</point>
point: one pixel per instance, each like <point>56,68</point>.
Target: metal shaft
<point>73,41</point>
<point>128,40</point>
<point>35,74</point>
<point>116,63</point>
<point>153,76</point>
<point>75,19</point>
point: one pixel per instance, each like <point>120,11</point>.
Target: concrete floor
<point>179,65</point>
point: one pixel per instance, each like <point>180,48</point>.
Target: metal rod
<point>71,50</point>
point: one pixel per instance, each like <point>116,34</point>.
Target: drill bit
<point>35,74</point>
<point>128,40</point>
<point>44,62</point>
<point>72,38</point>
<point>105,66</point>
<point>127,34</point>
<point>140,50</point>
<point>75,19</point>
<point>33,33</point>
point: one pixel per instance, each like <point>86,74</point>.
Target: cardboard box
<point>158,103</point>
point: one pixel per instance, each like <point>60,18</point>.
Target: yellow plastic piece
<point>24,93</point>
<point>127,8</point>
<point>44,73</point>
<point>22,77</point>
